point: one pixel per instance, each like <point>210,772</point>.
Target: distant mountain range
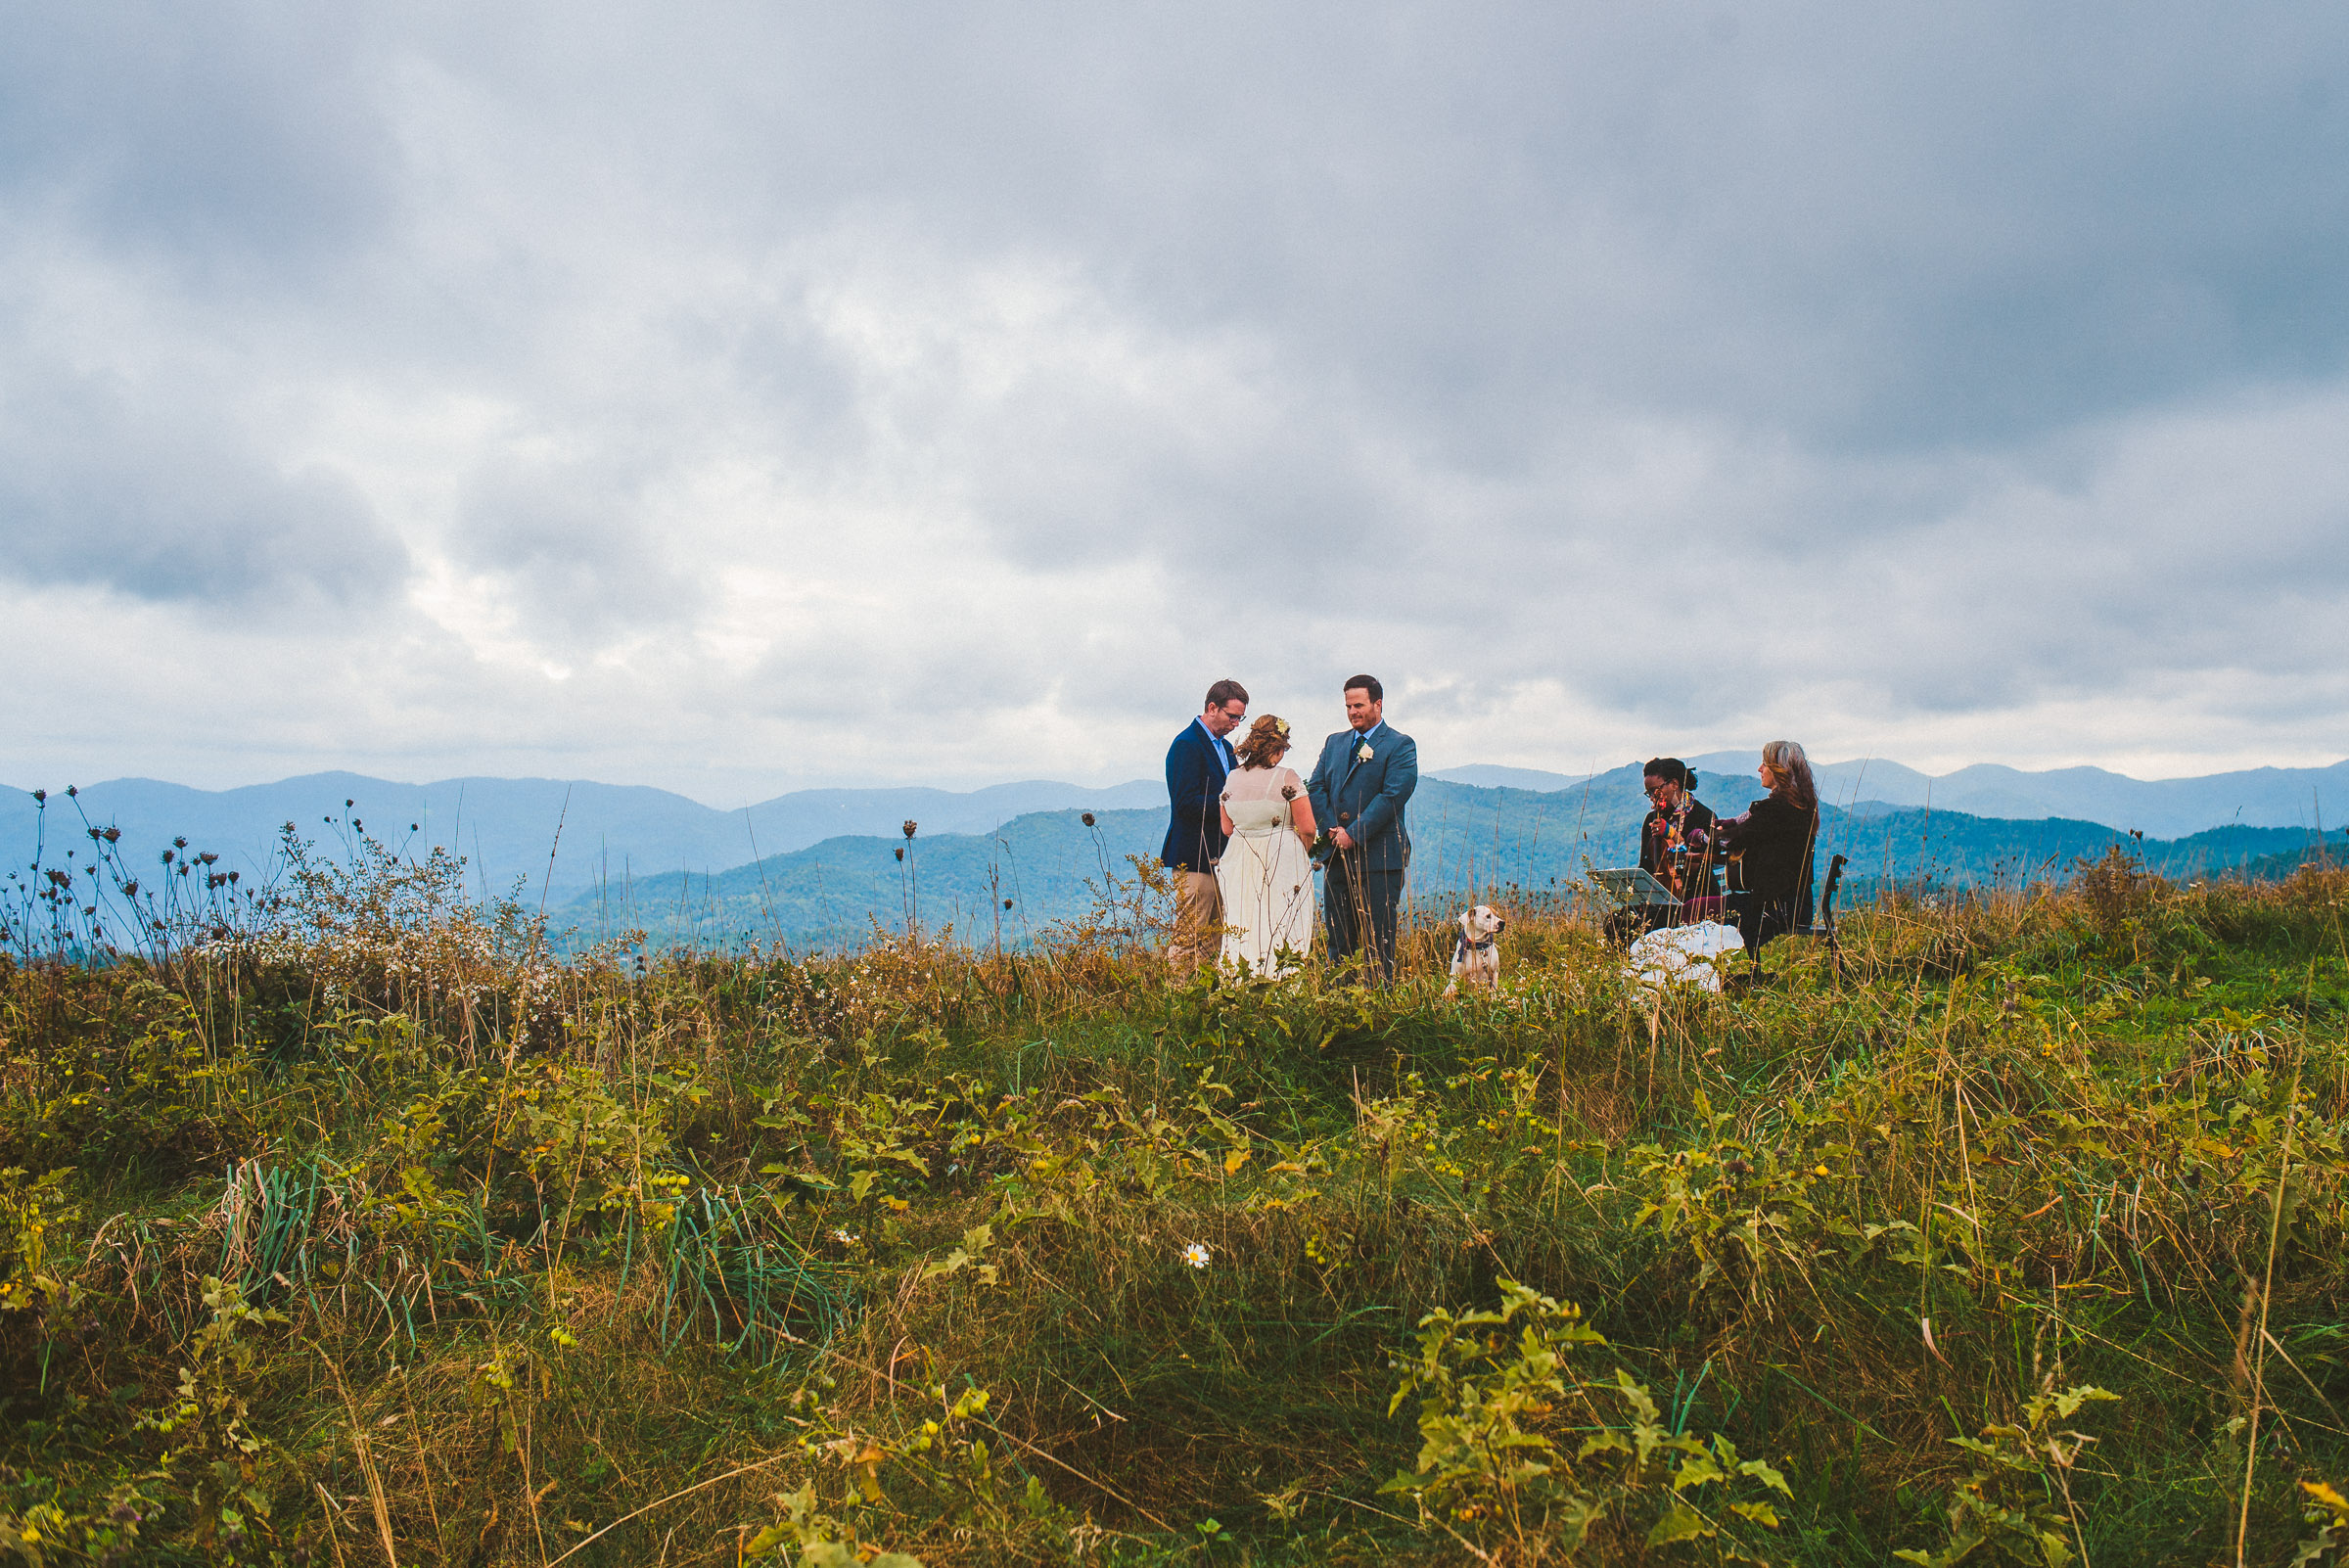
<point>562,836</point>
<point>819,865</point>
<point>2169,807</point>
<point>1468,842</point>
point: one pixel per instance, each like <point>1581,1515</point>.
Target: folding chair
<point>1824,925</point>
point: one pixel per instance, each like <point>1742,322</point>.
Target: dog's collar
<point>1485,946</point>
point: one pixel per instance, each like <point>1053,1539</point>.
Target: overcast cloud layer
<point>734,398</point>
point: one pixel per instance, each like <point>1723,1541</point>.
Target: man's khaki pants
<point>1198,912</point>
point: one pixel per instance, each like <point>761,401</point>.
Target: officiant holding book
<point>1358,789</point>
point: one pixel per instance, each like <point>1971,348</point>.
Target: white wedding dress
<point>1265,876</point>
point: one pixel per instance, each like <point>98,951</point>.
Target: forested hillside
<point>1012,885</point>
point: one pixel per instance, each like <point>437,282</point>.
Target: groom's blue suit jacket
<point>1366,797</point>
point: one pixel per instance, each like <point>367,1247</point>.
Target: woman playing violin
<point>1671,846</point>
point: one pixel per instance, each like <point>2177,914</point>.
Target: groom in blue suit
<point>1359,789</point>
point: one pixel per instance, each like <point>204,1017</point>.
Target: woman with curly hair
<point>1671,848</point>
<point>1267,873</point>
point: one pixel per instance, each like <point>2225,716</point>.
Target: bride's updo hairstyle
<point>1267,743</point>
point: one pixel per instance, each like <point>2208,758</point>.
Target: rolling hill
<point>567,835</point>
<point>2169,807</point>
<point>817,867</point>
<point>1500,844</point>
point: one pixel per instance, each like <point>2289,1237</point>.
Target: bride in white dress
<point>1267,873</point>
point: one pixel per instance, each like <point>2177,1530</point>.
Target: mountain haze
<point>2171,808</point>
<point>509,828</point>
<point>634,855</point>
<point>1467,840</point>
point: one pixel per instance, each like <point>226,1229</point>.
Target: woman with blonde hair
<point>1770,869</point>
<point>1267,873</point>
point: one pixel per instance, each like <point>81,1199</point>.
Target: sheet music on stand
<point>1629,885</point>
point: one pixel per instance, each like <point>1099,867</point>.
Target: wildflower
<point>911,827</point>
<point>1196,1255</point>
<point>847,1238</point>
<point>1820,1169</point>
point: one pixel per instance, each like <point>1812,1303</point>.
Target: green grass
<point>376,1236</point>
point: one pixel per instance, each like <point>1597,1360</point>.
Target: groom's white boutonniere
<point>1363,752</point>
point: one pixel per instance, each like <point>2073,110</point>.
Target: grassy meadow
<point>347,1226</point>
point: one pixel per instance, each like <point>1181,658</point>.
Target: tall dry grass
<point>368,1230</point>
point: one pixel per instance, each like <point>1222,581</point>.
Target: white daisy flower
<point>1195,1255</point>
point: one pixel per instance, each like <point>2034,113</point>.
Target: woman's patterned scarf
<point>1672,827</point>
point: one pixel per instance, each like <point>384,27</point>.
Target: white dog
<point>1476,950</point>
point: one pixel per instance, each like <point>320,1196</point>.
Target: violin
<point>1686,867</point>
<point>1677,863</point>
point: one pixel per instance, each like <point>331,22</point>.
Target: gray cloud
<point>722,391</point>
<point>580,542</point>
<point>243,141</point>
<point>161,498</point>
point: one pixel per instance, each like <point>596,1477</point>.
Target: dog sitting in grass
<point>1476,949</point>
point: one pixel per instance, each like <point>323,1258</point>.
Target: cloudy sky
<point>735,399</point>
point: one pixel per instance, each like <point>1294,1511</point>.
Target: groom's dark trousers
<point>1357,907</point>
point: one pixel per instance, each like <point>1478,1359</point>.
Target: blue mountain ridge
<point>2169,807</point>
<point>556,836</point>
<point>614,857</point>
<point>1496,845</point>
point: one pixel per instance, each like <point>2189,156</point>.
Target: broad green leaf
<point>1680,1523</point>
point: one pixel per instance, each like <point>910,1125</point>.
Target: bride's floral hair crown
<point>1268,738</point>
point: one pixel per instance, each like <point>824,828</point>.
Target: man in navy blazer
<point>1359,789</point>
<point>1196,766</point>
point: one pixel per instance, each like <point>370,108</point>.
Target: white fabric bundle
<point>1684,955</point>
